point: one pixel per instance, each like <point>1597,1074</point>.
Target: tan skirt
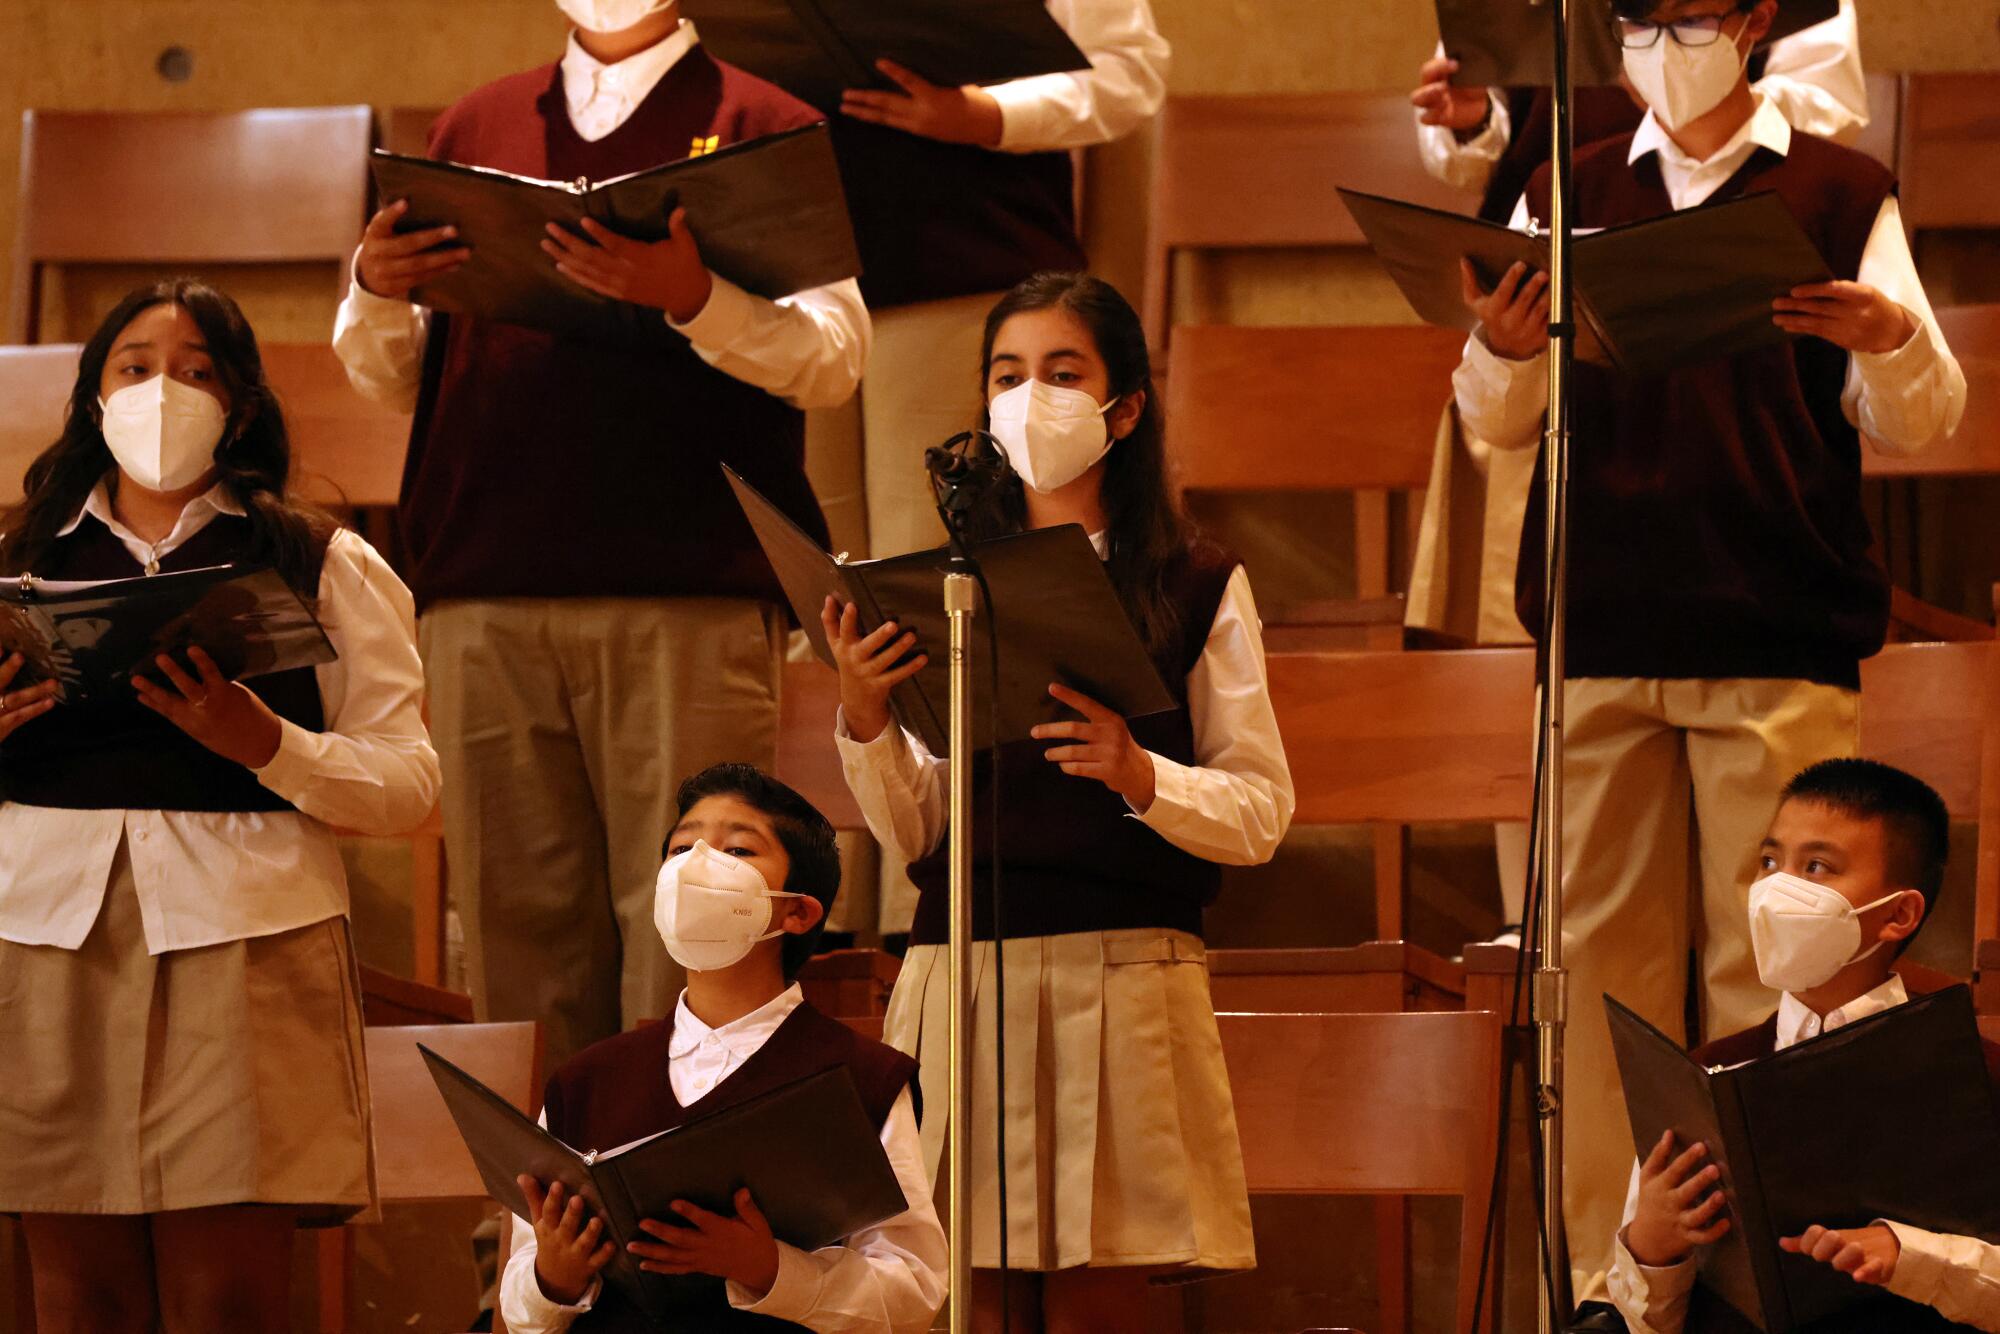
<point>228,1074</point>
<point>1121,1137</point>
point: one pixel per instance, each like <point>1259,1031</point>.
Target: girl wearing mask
<point>179,1013</point>
<point>1123,1162</point>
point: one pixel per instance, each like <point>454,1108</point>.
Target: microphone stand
<point>961,600</point>
<point>1550,1003</point>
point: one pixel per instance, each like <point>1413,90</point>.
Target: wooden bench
<point>277,185</point>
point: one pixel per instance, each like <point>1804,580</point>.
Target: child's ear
<point>1906,914</point>
<point>1124,416</point>
<point>805,913</point>
<point>1758,25</point>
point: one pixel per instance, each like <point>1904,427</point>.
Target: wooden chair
<point>278,185</point>
<point>1316,409</point>
<point>418,1153</point>
<point>388,1001</point>
<point>1261,171</point>
<point>1948,153</point>
<point>1373,1104</point>
<point>406,130</point>
<point>1384,976</point>
<point>35,384</point>
<point>850,983</point>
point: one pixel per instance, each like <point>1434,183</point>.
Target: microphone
<point>962,468</point>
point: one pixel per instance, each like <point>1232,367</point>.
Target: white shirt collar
<point>1796,1023</point>
<point>741,1036</point>
<point>601,97</point>
<point>1766,128</point>
<point>195,516</point>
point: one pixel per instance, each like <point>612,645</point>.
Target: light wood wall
<point>102,53</point>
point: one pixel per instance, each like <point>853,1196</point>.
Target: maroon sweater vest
<point>1072,857</point>
<point>937,220</point>
<point>618,1090</point>
<point>543,465</point>
<point>1891,1315</point>
<point>114,754</point>
<point>1717,528</point>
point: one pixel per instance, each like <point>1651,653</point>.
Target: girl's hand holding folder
<point>23,706</point>
<point>871,666</point>
<point>218,712</point>
<point>1103,749</point>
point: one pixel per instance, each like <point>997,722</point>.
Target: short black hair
<point>1916,827</point>
<point>1639,10</point>
<point>806,834</point>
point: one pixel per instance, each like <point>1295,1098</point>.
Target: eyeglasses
<point>1637,34</point>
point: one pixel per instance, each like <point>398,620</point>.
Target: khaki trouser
<point>923,387</point>
<point>1640,757</point>
<point>564,726</point>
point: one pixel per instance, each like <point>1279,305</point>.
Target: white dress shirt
<point>204,876</point>
<point>1906,399</point>
<point>1959,1276</point>
<point>889,1278</point>
<point>1123,87</point>
<point>808,349</point>
<point>1814,76</point>
<point>1233,805</point>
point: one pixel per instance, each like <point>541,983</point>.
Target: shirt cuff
<point>1173,791</point>
<point>1893,372</point>
<point>1921,1264</point>
<point>1022,102</point>
<point>1491,141</point>
<point>722,319</point>
<point>546,1311</point>
<point>371,309</point>
<point>292,767</point>
<point>877,751</point>
<point>1658,1285</point>
<point>794,1293</point>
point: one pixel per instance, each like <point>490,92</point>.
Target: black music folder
<point>93,636</point>
<point>815,49</point>
<point>1058,618</point>
<point>1889,1117</point>
<point>769,215</point>
<point>1692,285</point>
<point>813,1188</point>
<point>1511,43</point>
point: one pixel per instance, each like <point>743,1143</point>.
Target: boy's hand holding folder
<point>1681,1204</point>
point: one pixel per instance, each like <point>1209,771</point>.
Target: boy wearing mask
<point>751,871</point>
<point>1850,870</point>
<point>596,616</point>
<point>1722,592</point>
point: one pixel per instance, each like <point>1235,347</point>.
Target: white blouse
<point>1233,805</point>
<point>204,877</point>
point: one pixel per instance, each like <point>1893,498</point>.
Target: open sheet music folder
<point>1689,286</point>
<point>93,636</point>
<point>1511,43</point>
<point>816,49</point>
<point>769,214</point>
<point>1058,618</point>
<point>813,1188</point>
<point>1891,1117</point>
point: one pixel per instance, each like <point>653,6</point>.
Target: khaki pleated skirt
<point>1121,1137</point>
<point>228,1074</point>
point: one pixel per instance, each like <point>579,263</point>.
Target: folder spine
<point>1752,1217</point>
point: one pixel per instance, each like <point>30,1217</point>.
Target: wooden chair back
<point>188,187</point>
<point>1949,150</point>
<point>808,704</point>
<point>850,982</point>
<point>1314,409</point>
<point>418,1152</point>
<point>35,384</point>
<point>1261,171</point>
<point>347,451</point>
<point>1372,1104</point>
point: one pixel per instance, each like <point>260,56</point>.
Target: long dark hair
<point>1145,523</point>
<point>254,459</point>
